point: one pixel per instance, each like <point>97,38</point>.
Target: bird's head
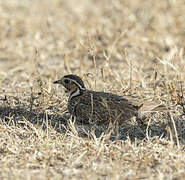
<point>73,84</point>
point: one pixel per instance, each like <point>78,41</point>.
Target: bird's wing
<point>103,108</point>
<point>89,113</point>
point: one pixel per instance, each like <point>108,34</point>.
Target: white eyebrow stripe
<point>78,84</point>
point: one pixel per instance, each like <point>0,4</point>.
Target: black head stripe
<point>76,79</point>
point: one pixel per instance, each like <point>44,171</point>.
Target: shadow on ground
<point>18,114</point>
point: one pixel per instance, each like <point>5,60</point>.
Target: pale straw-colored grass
<point>133,48</point>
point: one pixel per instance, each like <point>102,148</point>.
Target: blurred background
<point>123,43</point>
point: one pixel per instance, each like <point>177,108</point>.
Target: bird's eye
<point>66,81</point>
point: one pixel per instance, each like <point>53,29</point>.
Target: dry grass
<point>126,47</point>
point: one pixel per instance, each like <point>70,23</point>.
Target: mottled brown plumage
<point>96,108</point>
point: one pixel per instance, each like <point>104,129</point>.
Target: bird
<point>90,107</point>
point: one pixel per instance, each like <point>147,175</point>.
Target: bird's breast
<point>72,103</point>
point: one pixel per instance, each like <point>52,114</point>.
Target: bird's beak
<point>57,82</point>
